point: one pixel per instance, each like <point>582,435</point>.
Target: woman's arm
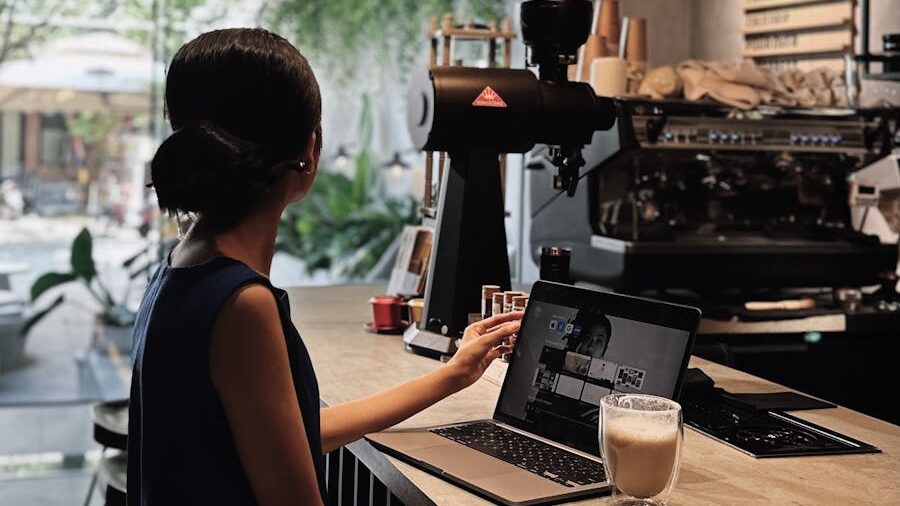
<point>482,343</point>
<point>250,371</point>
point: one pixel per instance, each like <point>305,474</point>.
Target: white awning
<point>95,72</point>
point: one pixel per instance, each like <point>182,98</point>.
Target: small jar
<point>508,299</point>
<point>497,303</point>
<point>519,303</point>
<point>487,300</point>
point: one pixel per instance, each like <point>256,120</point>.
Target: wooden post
<point>447,28</point>
<point>429,185</point>
<point>441,158</point>
<point>432,34</point>
<point>32,141</point>
<point>507,46</point>
<point>492,45</point>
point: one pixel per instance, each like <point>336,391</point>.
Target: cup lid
<point>385,299</point>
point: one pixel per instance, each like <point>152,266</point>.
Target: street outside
<point>45,400</point>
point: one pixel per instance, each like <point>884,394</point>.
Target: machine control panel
<point>655,132</point>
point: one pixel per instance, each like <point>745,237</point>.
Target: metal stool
<point>111,432</point>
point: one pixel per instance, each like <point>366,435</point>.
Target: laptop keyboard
<point>537,457</point>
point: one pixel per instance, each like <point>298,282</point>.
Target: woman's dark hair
<point>242,104</point>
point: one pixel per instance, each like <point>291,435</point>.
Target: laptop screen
<point>569,356</point>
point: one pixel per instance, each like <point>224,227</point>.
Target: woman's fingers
<point>500,334</point>
<point>489,324</point>
<point>494,354</point>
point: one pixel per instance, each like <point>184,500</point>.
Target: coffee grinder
<point>475,114</point>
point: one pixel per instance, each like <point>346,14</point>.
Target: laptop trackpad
<point>520,486</point>
<point>407,441</point>
<point>462,462</point>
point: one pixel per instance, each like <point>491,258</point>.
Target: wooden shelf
<point>834,41</point>
<point>474,34</point>
<point>805,64</point>
<point>753,5</point>
<point>800,18</point>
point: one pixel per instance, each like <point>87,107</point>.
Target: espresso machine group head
<point>475,114</point>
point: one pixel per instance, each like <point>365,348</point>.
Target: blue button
<point>713,136</point>
<point>836,139</point>
<point>735,137</point>
<point>668,136</point>
<point>804,139</point>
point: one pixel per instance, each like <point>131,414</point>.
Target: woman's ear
<point>313,151</point>
<point>300,186</point>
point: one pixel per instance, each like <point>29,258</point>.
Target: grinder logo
<point>489,98</point>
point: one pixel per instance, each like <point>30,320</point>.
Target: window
<point>54,140</point>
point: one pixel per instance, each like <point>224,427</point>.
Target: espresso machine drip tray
<point>763,434</point>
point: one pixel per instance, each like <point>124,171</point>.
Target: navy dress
<point>180,449</point>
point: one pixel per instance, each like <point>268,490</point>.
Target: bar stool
<point>111,432</point>
<point>113,473</point>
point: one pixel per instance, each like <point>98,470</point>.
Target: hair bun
<point>202,168</point>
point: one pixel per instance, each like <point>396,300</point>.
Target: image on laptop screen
<point>572,357</point>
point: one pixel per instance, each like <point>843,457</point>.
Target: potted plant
<point>11,339</point>
<point>114,320</point>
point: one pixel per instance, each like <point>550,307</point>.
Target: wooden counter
<point>351,363</point>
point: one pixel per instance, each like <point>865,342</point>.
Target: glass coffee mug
<point>640,442</point>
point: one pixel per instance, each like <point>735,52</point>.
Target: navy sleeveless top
<point>180,449</point>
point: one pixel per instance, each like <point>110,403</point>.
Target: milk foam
<point>640,454</point>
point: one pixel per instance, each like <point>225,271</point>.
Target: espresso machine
<point>702,198</point>
<point>781,225</point>
<point>474,115</point>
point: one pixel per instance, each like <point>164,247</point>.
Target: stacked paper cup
<point>599,64</point>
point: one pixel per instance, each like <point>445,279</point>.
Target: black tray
<point>763,434</point>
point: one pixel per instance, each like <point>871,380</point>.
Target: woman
<point>224,401</point>
<point>592,337</point>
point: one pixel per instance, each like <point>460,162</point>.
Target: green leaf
<point>50,280</point>
<point>132,259</point>
<point>362,179</point>
<point>82,256</point>
<point>37,317</point>
<point>366,125</point>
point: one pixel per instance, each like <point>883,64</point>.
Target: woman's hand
<point>482,342</point>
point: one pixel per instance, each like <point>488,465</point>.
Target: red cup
<point>387,311</point>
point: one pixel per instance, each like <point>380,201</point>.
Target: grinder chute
<point>475,114</point>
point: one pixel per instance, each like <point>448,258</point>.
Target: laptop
<point>575,346</point>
